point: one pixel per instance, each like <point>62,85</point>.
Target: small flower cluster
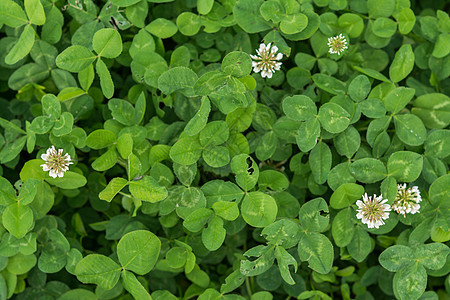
<point>267,60</point>
<point>373,211</point>
<point>407,200</point>
<point>56,162</point>
<point>337,44</point>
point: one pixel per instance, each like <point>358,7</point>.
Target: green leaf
<point>273,180</point>
<point>134,286</point>
<point>259,209</point>
<point>384,27</point>
<point>380,8</point>
<point>406,20</point>
<point>237,63</point>
<point>317,250</point>
<point>147,189</point>
<point>188,23</point>
<point>11,150</point>
<point>396,257</point>
<point>299,108</point>
<point>21,264</point>
<point>216,156</point>
<point>51,106</point>
<point>311,218</point>
<point>22,47</point>
<point>405,166</point>
<point>284,260</point>
<point>345,195</point>
<point>432,256</point>
<point>329,84</point>
<point>107,43</point>
<point>372,73</point>
<point>368,170</point>
<point>232,282</point>
<point>100,138</point>
<point>410,282</point>
<point>438,144</point>
<point>78,294</point>
<point>12,14</point>
<point>71,180</point>
<point>219,190</point>
<point>186,151</point>
<point>122,111</point>
<point>112,189</point>
<point>248,17</point>
<point>35,11</point>
<point>410,129</point>
<point>204,6</point>
<point>177,79</point>
<point>359,88</point>
<point>402,64</point>
<point>433,109</point>
<point>295,23</point>
<point>196,220</point>
<point>138,251</point>
<point>98,269</point>
<point>307,134</point>
<point>360,246</point>
<point>214,134</point>
<point>198,122</point>
<point>106,82</point>
<point>343,228</point>
<point>320,161</point>
<point>28,191</point>
<point>64,125</point>
<point>18,219</point>
<point>42,124</point>
<point>124,3</point>
<point>226,210</point>
<point>75,58</point>
<point>246,170</point>
<point>124,144</point>
<point>105,161</point>
<point>397,99</point>
<point>333,117</point>
<point>7,192</point>
<point>348,142</point>
<point>213,236</point>
<point>162,28</point>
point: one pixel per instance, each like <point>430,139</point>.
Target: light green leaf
<point>198,122</point>
<point>360,246</point>
<point>259,209</point>
<point>295,23</point>
<point>410,282</point>
<point>186,151</point>
<point>106,82</point>
<point>177,79</point>
<point>248,17</point>
<point>196,220</point>
<point>100,138</point>
<point>284,260</point>
<point>237,63</point>
<point>107,43</point>
<point>147,189</point>
<point>320,162</point>
<point>11,150</point>
<point>64,125</point>
<point>310,216</point>
<point>432,256</point>
<point>138,251</point>
<point>188,23</point>
<point>397,99</point>
<point>35,11</point>
<point>405,166</point>
<point>345,195</point>
<point>359,88</point>
<point>12,14</point>
<point>105,161</point>
<point>112,189</point>
<point>213,236</point>
<point>162,28</point>
<point>71,180</point>
<point>246,170</point>
<point>402,64</point>
<point>18,219</point>
<point>134,286</point>
<point>226,210</point>
<point>307,134</point>
<point>343,228</point>
<point>433,109</point>
<point>23,45</point>
<point>75,58</point>
<point>98,269</point>
<point>396,257</point>
<point>299,108</point>
<point>410,129</point>
<point>122,111</point>
<point>216,156</point>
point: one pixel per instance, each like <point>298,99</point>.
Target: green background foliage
<point>194,177</point>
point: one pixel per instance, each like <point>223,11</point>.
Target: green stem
<point>247,285</point>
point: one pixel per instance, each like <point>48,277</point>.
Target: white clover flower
<point>407,200</point>
<point>372,212</point>
<point>337,44</point>
<point>267,60</point>
<point>55,162</point>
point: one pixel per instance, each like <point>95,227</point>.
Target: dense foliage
<point>149,151</point>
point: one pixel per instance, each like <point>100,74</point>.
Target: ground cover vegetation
<point>228,149</point>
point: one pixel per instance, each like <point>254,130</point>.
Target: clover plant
<point>224,149</point>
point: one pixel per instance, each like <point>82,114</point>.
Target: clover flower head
<point>56,162</point>
<point>407,200</point>
<point>373,211</point>
<point>267,60</point>
<point>337,44</point>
